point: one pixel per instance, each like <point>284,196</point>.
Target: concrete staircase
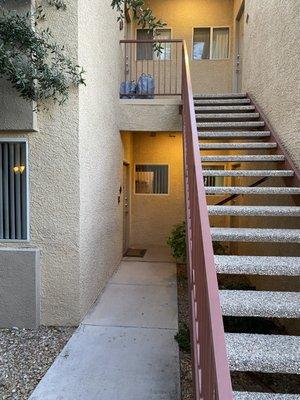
<point>229,126</point>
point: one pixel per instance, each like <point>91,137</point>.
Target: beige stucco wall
<point>271,67</point>
<point>155,115</point>
<point>54,190</point>
<point>100,149</point>
<point>75,161</point>
<point>152,216</point>
<point>207,75</point>
<point>236,7</point>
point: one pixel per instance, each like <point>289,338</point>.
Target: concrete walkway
<point>125,347</point>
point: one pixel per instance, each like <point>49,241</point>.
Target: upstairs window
<point>201,45</point>
<point>151,179</point>
<point>145,50</point>
<point>211,43</point>
<point>13,190</point>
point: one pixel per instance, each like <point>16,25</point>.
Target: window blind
<point>151,179</point>
<point>13,191</point>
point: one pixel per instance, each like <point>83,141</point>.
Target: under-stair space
<point>253,204</point>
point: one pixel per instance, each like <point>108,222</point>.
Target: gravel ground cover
<point>25,356</point>
<point>183,317</point>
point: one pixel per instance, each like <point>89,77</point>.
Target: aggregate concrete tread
<point>263,353</point>
<point>233,134</point>
<point>264,211</point>
<point>212,108</point>
<point>243,303</point>
<point>252,190</point>
<point>256,235</point>
<point>249,172</point>
<point>258,265</point>
<point>244,158</point>
<point>232,124</point>
<point>219,95</point>
<point>237,146</point>
<point>221,101</point>
<point>265,396</point>
<point>231,115</point>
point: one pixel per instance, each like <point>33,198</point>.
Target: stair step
<point>237,146</point>
<point>244,158</point>
<point>222,116</point>
<point>263,353</point>
<point>248,172</point>
<point>233,134</point>
<point>256,235</point>
<point>249,303</point>
<point>265,396</point>
<point>264,211</point>
<point>214,102</point>
<point>220,96</point>
<point>251,190</point>
<point>258,265</point>
<point>213,108</point>
<point>232,124</point>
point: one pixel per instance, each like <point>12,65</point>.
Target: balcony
<point>151,85</point>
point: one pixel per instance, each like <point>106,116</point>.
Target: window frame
<point>151,194</point>
<point>152,59</point>
<point>26,142</point>
<point>211,27</point>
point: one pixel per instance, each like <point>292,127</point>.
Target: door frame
<point>126,219</point>
<point>238,17</point>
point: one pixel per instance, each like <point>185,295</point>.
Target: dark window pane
<point>201,43</point>
<point>144,51</point>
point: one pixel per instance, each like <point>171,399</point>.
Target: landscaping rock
<point>25,356</point>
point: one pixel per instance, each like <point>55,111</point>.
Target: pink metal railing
<point>210,363</point>
<point>165,67</point>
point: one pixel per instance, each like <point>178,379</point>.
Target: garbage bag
<point>145,86</point>
<point>127,90</point>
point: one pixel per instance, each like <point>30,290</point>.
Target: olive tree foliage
<point>142,15</point>
<point>32,61</point>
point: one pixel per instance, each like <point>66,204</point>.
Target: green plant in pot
<point>177,243</point>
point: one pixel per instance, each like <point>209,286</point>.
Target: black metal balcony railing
<point>148,73</point>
